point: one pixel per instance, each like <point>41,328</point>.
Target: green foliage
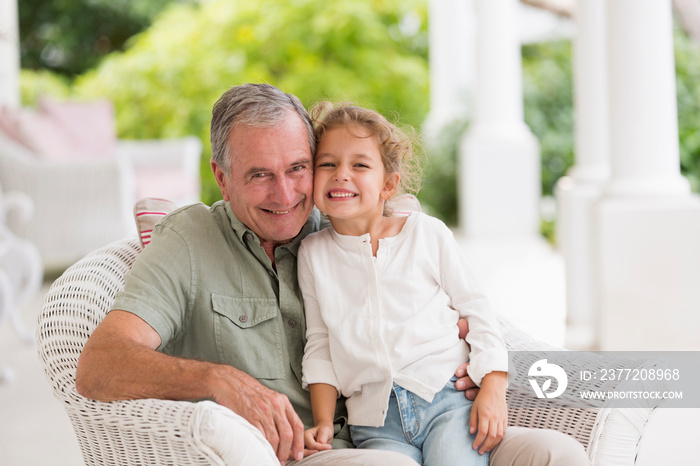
<point>371,52</point>
<point>548,106</point>
<point>438,196</point>
<point>34,84</point>
<point>687,54</point>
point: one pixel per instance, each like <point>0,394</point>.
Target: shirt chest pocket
<point>249,335</point>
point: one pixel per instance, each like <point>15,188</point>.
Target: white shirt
<point>374,321</point>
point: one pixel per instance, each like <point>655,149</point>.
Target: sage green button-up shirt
<point>205,284</point>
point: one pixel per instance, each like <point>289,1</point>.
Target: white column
<point>577,192</point>
<point>9,54</point>
<point>452,36</point>
<point>499,174</point>
<point>643,113</point>
<point>648,222</point>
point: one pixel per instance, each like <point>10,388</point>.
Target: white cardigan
<point>374,321</point>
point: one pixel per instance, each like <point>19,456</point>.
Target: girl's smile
<point>340,194</point>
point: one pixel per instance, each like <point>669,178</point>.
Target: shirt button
<point>243,319</point>
<point>292,323</point>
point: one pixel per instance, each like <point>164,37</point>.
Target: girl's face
<point>350,182</point>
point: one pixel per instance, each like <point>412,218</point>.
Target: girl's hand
<point>489,415</point>
<point>319,438</point>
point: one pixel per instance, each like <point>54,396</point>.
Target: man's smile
<point>278,212</point>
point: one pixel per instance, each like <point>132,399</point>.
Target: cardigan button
<point>292,323</point>
<point>243,319</point>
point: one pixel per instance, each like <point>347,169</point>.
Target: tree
<point>371,52</point>
<point>71,36</point>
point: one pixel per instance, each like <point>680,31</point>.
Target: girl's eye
<point>361,165</point>
<point>325,164</point>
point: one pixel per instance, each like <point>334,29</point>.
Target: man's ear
<point>391,184</point>
<point>221,179</point>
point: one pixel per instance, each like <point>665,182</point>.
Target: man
<point>212,309</point>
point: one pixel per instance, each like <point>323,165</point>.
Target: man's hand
<point>465,382</point>
<point>269,411</point>
<point>489,417</point>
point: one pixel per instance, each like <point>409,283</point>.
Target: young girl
<point>382,296</point>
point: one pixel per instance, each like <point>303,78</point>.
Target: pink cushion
<point>148,212</point>
<point>90,125</point>
<point>38,133</point>
<point>62,131</point>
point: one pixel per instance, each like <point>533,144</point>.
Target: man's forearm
<point>115,366</point>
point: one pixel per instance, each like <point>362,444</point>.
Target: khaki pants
<point>519,447</point>
<point>355,457</point>
<point>538,447</point>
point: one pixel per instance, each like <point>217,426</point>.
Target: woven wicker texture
<point>169,432</point>
<point>611,435</point>
<point>126,432</point>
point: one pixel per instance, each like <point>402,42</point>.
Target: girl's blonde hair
<point>395,145</point>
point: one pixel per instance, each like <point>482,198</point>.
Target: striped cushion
<point>148,212</point>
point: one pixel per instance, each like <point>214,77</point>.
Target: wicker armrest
<point>610,435</point>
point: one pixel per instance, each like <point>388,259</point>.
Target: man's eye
<point>259,177</point>
<point>297,170</point>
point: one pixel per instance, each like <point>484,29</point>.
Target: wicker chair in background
<point>86,204</point>
<point>175,432</point>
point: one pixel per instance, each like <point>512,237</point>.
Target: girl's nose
<point>341,175</point>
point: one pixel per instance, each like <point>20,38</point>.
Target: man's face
<point>270,183</point>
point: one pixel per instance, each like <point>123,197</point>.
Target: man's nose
<point>284,192</point>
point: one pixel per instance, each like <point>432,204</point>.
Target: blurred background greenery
<point>163,63</point>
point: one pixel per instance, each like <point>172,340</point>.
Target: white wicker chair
<point>127,432</point>
<point>168,432</point>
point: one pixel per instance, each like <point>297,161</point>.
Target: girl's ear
<point>391,184</point>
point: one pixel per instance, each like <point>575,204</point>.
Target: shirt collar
<point>346,241</point>
<point>313,223</point>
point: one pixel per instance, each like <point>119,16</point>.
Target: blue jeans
<point>433,434</point>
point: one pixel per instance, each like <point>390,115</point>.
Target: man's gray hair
<point>253,105</point>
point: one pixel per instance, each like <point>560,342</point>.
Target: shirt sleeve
<point>158,285</point>
<point>317,365</point>
<point>488,351</point>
